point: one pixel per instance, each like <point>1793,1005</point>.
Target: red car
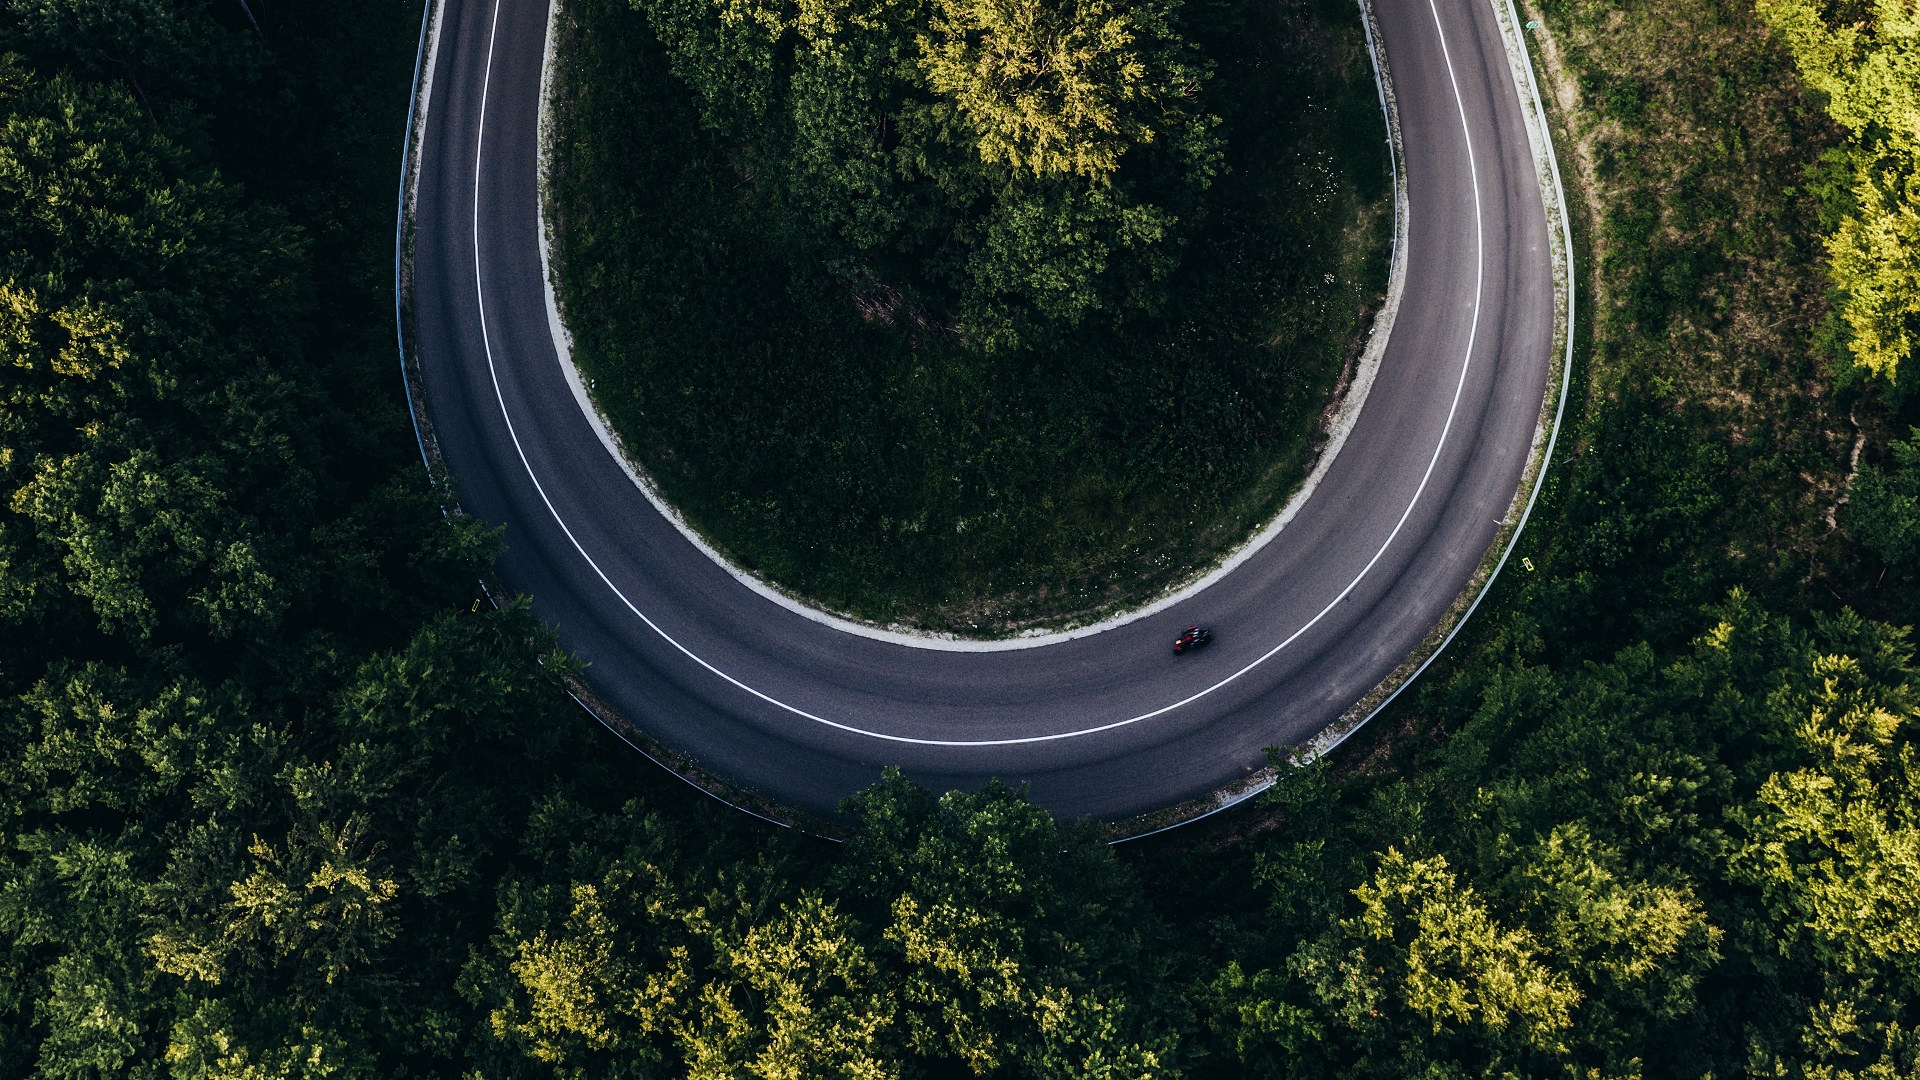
<point>1195,637</point>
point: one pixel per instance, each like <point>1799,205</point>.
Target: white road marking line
<point>1452,410</point>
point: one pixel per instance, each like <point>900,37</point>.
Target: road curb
<point>403,234</point>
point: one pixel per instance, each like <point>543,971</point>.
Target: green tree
<point>1637,867</point>
<point>962,160</point>
<point>146,416</point>
<point>1015,945</point>
<point>1866,64</point>
<point>1067,87</point>
<point>965,930</point>
<point>1883,508</point>
<point>1426,945</point>
<point>1833,842</point>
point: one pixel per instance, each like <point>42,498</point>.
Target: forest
<point>283,794</point>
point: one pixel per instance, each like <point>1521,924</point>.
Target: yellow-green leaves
<point>79,341</point>
<point>963,976</point>
<point>579,981</point>
<point>948,936</point>
<point>1004,168</point>
<point>802,999</point>
<point>1461,966</point>
<point>1876,265</point>
<point>1054,86</point>
<point>1835,846</point>
<point>324,896</point>
<point>1869,72</point>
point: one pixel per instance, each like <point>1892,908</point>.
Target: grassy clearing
<point>1711,446</point>
<point>893,473</point>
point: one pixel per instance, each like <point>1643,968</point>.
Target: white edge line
<point>1466,365</point>
<point>1235,794</point>
<point>1542,137</point>
<point>1338,429</point>
<point>423,64</point>
<point>560,343</point>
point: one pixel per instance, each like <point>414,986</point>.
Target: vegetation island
<point>970,318</point>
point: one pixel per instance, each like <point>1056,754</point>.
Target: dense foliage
<point>1019,165</point>
<point>1865,59</point>
<point>281,797</point>
<point>969,315</point>
<point>1697,865</point>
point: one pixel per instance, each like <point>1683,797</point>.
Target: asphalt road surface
<point>1112,724</point>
